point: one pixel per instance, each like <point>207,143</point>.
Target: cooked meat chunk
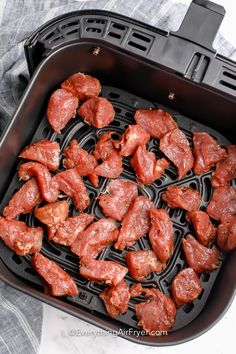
<point>203,226</point>
<point>207,152</point>
<point>105,145</point>
<point>24,200</point>
<point>119,195</point>
<point>185,287</point>
<point>94,239</point>
<point>155,121</point>
<point>82,86</point>
<point>85,163</point>
<point>226,233</point>
<point>98,112</point>
<point>61,108</point>
<point>46,152</point>
<point>157,313</point>
<point>116,299</point>
<point>131,139</point>
<point>176,147</point>
<point>19,237</point>
<point>70,183</point>
<point>146,166</point>
<point>108,272</point>
<point>53,214</point>
<point>111,167</point>
<point>225,169</point>
<point>141,263</point>
<point>161,234</point>
<point>43,177</point>
<point>199,257</point>
<point>57,281</point>
<point>223,201</point>
<point>182,197</point>
<point>135,224</point>
<point>67,233</point>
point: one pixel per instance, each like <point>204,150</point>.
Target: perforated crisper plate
<point>125,104</point>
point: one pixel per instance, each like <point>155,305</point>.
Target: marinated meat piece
<point>82,86</point>
<point>43,177</point>
<point>62,107</point>
<point>58,282</point>
<point>131,139</point>
<point>176,147</point>
<point>94,239</point>
<point>137,289</point>
<point>19,237</point>
<point>141,263</point>
<point>116,299</point>
<point>53,214</point>
<point>70,183</point>
<point>223,201</point>
<point>98,112</point>
<point>120,194</point>
<point>146,166</point>
<point>105,145</point>
<point>84,162</point>
<point>185,287</point>
<point>182,197</point>
<point>155,121</point>
<point>157,313</point>
<point>67,233</point>
<point>136,223</point>
<point>225,169</point>
<point>161,234</point>
<point>111,167</point>
<point>203,226</point>
<point>207,152</point>
<point>199,257</point>
<point>46,152</point>
<point>108,272</point>
<point>23,201</point>
<point>226,233</point>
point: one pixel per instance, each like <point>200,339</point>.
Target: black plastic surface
<point>187,52</point>
<point>125,104</point>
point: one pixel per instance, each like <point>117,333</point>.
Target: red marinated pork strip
<point>61,108</point>
<point>46,152</point>
<point>82,86</point>
<point>58,282</point>
<point>94,239</point>
<point>141,263</point>
<point>176,147</point>
<point>108,272</point>
<point>119,195</point>
<point>199,257</point>
<point>161,234</point>
<point>146,166</point>
<point>116,299</point>
<point>19,237</point>
<point>155,121</point>
<point>24,200</point>
<point>135,224</point>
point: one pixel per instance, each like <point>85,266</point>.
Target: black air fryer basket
<point>139,67</point>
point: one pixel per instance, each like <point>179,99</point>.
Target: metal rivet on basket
<point>96,50</point>
<point>171,96</point>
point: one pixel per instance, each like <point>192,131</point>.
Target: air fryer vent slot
<point>94,25</point>
<point>140,41</point>
<point>228,80</point>
<point>197,67</point>
<point>117,31</point>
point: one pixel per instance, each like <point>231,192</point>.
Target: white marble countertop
<point>57,325</point>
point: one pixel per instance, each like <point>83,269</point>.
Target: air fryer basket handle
<point>201,22</point>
